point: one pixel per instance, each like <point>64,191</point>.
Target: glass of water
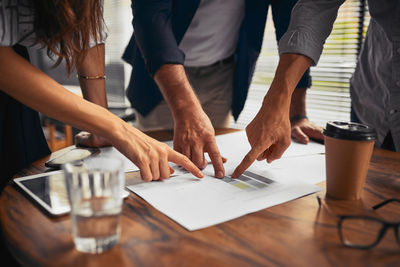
<point>94,189</point>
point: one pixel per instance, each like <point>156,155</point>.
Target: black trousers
<point>21,137</point>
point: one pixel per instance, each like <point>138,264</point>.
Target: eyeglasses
<point>363,232</point>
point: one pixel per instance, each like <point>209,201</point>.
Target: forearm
<point>289,71</point>
<point>30,86</point>
<point>177,91</point>
<point>93,65</point>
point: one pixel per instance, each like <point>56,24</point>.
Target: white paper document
<point>199,203</point>
<point>236,145</point>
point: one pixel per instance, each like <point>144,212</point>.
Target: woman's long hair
<point>67,27</point>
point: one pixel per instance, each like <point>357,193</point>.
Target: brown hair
<point>66,27</point>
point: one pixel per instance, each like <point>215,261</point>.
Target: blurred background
<point>327,99</point>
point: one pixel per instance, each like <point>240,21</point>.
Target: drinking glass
<point>94,189</point>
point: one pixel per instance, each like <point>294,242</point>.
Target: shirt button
<point>392,111</point>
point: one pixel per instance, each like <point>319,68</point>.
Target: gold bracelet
<point>98,77</point>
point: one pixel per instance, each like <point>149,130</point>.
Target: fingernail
<point>220,174</point>
<point>200,174</point>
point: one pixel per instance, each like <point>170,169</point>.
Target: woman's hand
<point>150,155</point>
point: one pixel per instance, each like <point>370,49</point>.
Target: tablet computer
<point>49,191</point>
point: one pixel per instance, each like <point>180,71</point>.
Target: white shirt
<point>213,33</point>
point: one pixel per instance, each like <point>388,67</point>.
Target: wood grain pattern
<point>294,233</point>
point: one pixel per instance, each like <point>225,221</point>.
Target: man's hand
<point>194,136</point>
<point>268,133</point>
<point>303,130</point>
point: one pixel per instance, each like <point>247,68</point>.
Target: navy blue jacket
<point>159,26</point>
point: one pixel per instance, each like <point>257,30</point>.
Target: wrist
<point>279,98</point>
<point>297,118</point>
<point>115,129</point>
<point>187,114</point>
<point>298,103</point>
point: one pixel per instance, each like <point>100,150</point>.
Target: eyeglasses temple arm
<point>377,206</point>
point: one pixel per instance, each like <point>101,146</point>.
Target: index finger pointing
<point>216,159</point>
<point>183,161</point>
<point>246,162</point>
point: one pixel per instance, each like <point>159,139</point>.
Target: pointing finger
<point>216,160</point>
<point>246,162</point>
<point>183,161</point>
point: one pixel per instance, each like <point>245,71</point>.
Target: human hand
<point>268,133</point>
<point>303,130</point>
<point>150,155</point>
<point>193,136</point>
<point>90,140</point>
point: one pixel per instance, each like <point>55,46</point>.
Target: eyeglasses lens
<point>360,231</point>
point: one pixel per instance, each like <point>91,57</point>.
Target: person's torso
<point>213,32</point>
<point>375,85</point>
<point>16,24</point>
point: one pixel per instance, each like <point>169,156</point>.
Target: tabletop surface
<point>294,233</point>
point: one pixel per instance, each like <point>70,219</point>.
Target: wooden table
<point>295,233</point>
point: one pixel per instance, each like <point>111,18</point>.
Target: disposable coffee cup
<point>348,149</point>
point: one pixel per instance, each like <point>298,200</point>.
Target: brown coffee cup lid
<point>349,131</point>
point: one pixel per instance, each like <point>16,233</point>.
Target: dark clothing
<point>159,27</point>
<point>21,137</point>
<point>387,143</point>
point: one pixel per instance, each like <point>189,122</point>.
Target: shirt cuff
<point>303,43</point>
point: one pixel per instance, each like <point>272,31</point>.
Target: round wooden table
<point>294,233</point>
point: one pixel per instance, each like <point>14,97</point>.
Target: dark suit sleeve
<point>154,35</point>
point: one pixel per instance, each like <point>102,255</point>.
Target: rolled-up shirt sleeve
<point>102,38</point>
<point>154,35</point>
<point>103,34</point>
<point>310,25</point>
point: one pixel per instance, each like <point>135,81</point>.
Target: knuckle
<point>198,162</point>
<point>286,142</point>
<point>214,154</point>
<point>163,151</point>
<point>142,160</point>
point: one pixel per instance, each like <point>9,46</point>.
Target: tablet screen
<point>48,189</point>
